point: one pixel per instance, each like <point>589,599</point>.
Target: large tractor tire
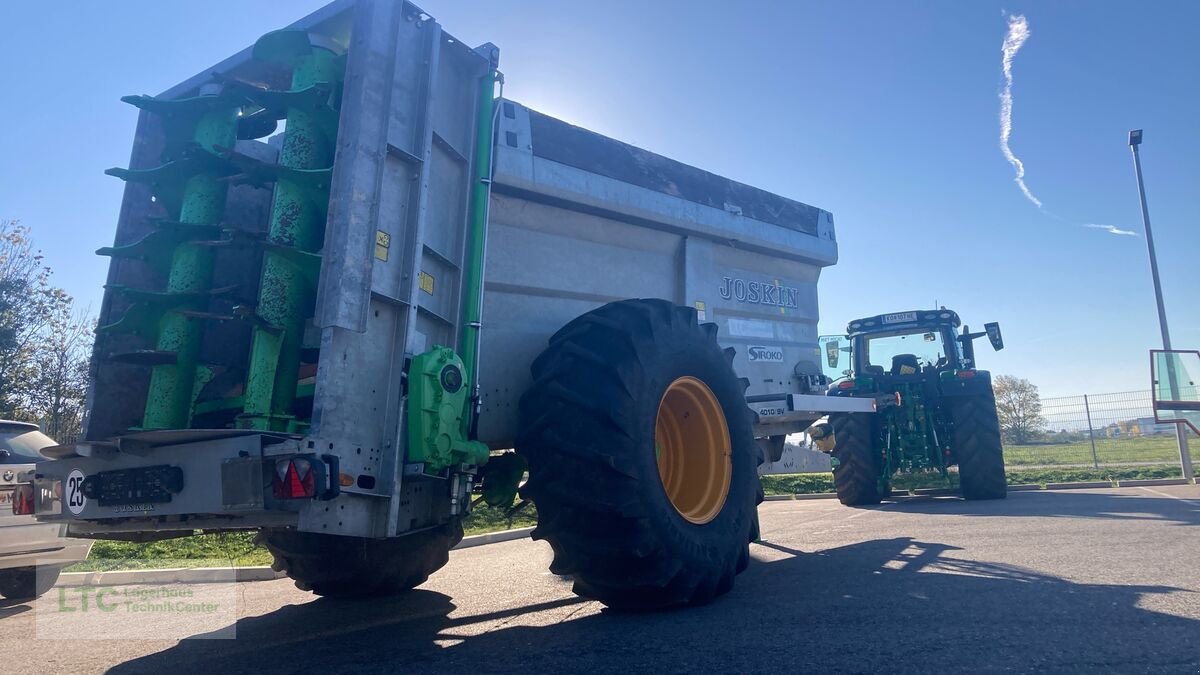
<point>976,443</point>
<point>856,477</point>
<point>357,567</point>
<point>642,458</point>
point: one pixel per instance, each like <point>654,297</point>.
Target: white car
<point>24,542</point>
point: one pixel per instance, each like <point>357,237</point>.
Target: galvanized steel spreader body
<point>339,256</point>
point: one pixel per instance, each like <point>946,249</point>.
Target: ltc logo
<point>765,354</point>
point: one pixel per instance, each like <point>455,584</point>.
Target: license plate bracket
<point>900,317</point>
<point>140,485</point>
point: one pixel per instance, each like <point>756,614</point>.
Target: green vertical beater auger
<point>191,186</point>
<point>291,262</point>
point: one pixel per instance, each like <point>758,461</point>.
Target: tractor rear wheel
<point>856,477</point>
<point>642,458</point>
<point>976,443</point>
<point>357,567</point>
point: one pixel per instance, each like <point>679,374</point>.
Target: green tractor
<point>935,408</point>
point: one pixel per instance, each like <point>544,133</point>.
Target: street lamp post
<point>1185,457</point>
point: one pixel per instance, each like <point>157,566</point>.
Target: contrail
<point>1018,33</point>
<point>1111,229</point>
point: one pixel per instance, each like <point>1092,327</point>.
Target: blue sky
<point>884,113</point>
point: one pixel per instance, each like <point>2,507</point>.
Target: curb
<point>1080,486</point>
<point>183,575</point>
<point>1145,482</point>
<point>202,575</point>
<point>1025,487</point>
<point>493,537</point>
<point>927,492</point>
<point>816,495</point>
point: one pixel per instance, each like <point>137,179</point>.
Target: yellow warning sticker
<point>701,315</point>
<point>426,282</point>
<point>383,241</point>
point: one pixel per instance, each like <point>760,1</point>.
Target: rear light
<point>22,504</point>
<point>294,479</point>
<point>966,374</point>
<point>848,384</point>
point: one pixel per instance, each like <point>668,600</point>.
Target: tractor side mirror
<point>832,353</point>
<point>994,336</point>
<point>833,365</point>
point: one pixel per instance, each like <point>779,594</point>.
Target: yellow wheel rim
<point>692,444</point>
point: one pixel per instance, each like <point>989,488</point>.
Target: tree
<point>1019,407</point>
<point>24,289</point>
<point>60,387</point>
<point>44,342</point>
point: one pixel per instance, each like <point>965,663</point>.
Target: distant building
<point>1135,428</point>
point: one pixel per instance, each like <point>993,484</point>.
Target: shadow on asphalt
<point>1125,505</point>
<point>882,605</point>
<point>10,607</point>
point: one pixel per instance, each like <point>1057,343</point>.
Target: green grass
<point>798,483</point>
<point>222,549</point>
<point>1082,475</point>
<point>1108,451</point>
<point>237,549</point>
<point>812,483</point>
<point>485,519</point>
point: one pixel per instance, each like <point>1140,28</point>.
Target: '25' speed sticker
<point>74,492</point>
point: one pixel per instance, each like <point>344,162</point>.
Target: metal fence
<point>1094,430</point>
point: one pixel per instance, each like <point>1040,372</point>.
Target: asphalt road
<point>1075,580</point>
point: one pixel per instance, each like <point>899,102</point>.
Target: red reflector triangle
<point>295,488</point>
<point>309,484</point>
<point>292,485</point>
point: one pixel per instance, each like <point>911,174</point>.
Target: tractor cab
<point>902,346</point>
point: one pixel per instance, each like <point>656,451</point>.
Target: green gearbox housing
<point>438,395</point>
